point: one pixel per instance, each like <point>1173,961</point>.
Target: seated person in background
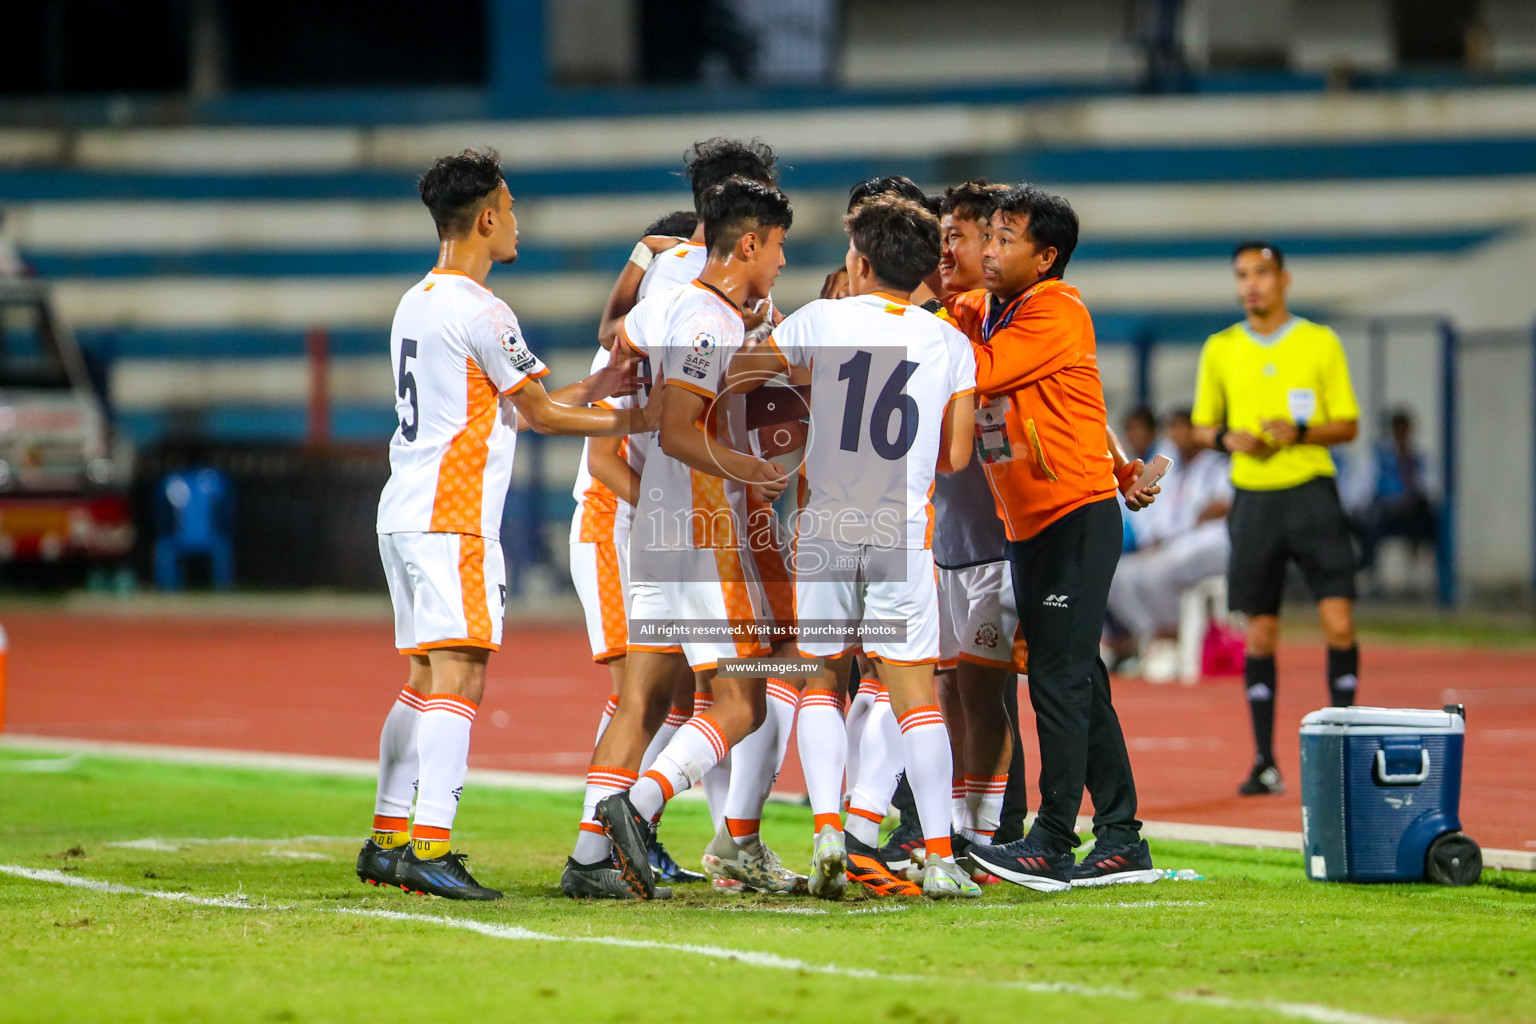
<point>1140,436</point>
<point>1182,541</point>
<point>1402,493</point>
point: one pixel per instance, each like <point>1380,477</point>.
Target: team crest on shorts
<point>987,635</point>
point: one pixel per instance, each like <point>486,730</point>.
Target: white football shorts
<point>713,596</point>
<point>863,592</point>
<point>448,590</point>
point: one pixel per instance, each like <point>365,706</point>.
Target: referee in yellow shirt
<point>1274,391</point>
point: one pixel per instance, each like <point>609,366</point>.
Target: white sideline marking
<point>241,901</point>
<point>1138,904</point>
<point>46,764</point>
<point>1217,835</point>
<point>813,911</point>
<point>172,845</point>
<point>236,901</point>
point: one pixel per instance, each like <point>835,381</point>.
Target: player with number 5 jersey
<point>464,381</point>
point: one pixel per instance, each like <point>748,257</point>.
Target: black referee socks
<point>1259,674</point>
<point>1343,675</point>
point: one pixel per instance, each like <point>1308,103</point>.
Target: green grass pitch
<point>1253,942</point>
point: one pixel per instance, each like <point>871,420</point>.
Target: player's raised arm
<point>626,290</point>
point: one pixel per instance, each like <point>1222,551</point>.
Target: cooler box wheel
<point>1453,859</point>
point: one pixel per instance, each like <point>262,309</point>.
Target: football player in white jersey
<point>463,378</point>
<point>606,490</point>
<point>659,264</point>
<point>689,563</point>
<point>891,404</point>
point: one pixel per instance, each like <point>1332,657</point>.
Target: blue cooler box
<point>1381,796</point>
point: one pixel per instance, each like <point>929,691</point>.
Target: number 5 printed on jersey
<point>407,385</point>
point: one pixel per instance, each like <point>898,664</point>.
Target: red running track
<point>323,687</point>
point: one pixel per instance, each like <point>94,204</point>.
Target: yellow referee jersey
<point>1299,375</point>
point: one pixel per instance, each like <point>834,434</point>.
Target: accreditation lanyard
<point>997,319</point>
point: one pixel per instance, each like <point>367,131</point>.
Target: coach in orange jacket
<point>1042,436</point>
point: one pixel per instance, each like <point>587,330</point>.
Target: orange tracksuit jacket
<point>1038,353</point>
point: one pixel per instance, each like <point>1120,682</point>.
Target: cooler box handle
<point>1402,779</point>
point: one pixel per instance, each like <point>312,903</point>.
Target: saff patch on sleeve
<point>523,360</point>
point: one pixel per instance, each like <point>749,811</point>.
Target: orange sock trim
<point>823,820</point>
<point>453,703</point>
<point>431,833</point>
<point>592,826</point>
<point>739,827</point>
<point>383,824</point>
<point>940,846</point>
<point>873,816</point>
<point>923,714</point>
<point>660,780</point>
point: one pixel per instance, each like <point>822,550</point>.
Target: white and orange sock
<point>925,749</point>
<point>755,763</point>
<point>669,726</point>
<point>823,742</point>
<point>984,797</point>
<point>880,765</point>
<point>959,810</point>
<point>602,723</point>
<point>592,845</point>
<point>442,743</point>
<point>698,746</point>
<point>858,713</point>
<point>717,781</point>
<point>398,763</point>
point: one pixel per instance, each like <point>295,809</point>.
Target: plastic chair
<point>195,520</point>
<point>1198,605</point>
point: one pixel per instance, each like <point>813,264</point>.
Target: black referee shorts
<point>1271,528</point>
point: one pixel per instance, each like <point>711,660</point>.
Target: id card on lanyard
<point>992,444</point>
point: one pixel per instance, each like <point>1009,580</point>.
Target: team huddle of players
<point>704,405</point>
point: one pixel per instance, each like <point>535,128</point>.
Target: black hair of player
<point>891,184</point>
<point>456,187</point>
<point>899,237</point>
<point>1261,246</point>
<point>970,200</point>
<point>712,161</point>
<point>737,206</point>
<point>1145,415</point>
<point>933,201</point>
<point>678,224</point>
<point>1052,221</point>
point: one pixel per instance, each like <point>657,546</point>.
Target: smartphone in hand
<point>1153,473</point>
